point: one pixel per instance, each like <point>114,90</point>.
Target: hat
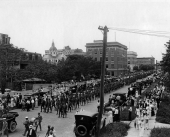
<point>30,126</point>
<point>26,117</point>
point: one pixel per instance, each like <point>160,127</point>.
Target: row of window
<point>112,59</point>
<point>119,66</point>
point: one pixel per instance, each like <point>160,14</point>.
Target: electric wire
<point>143,33</point>
<point>149,31</point>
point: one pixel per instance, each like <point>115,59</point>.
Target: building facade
<point>4,39</point>
<point>116,56</point>
<point>53,55</point>
<point>132,59</point>
<point>25,59</point>
<point>146,61</point>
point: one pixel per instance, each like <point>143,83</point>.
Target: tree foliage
<point>74,67</point>
<point>77,66</point>
<point>166,64</point>
<point>146,67</point>
<point>8,56</point>
<point>37,69</point>
<point>136,68</point>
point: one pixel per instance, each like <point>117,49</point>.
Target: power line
<point>149,31</point>
<point>140,33</point>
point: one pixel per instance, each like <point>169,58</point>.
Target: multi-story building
<point>24,58</point>
<point>132,59</point>
<point>27,57</point>
<point>146,61</point>
<point>4,39</point>
<point>116,56</point>
<point>53,55</point>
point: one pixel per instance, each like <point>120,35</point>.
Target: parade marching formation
<point>71,98</point>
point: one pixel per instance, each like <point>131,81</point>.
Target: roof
<point>86,113</point>
<point>100,43</point>
<point>145,58</point>
<point>131,53</point>
<point>33,79</point>
<point>53,48</point>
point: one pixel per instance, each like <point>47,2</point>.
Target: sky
<point>34,24</point>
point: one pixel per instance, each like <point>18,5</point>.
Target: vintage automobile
<point>10,117</point>
<point>85,123</point>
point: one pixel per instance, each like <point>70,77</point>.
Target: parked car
<point>85,124</point>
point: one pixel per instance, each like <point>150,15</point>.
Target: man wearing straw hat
<point>26,123</point>
<point>31,132</point>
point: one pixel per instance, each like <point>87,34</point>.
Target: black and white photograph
<point>84,68</point>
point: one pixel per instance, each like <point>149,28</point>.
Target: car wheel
<point>81,130</point>
<point>12,126</point>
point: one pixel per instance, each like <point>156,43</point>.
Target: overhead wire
<point>149,31</point>
<point>139,32</point>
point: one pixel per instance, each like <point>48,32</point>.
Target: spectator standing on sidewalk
<point>32,103</point>
<point>130,113</point>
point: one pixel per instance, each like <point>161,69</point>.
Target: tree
<point>166,64</point>
<point>78,66</point>
<point>38,69</point>
<point>146,67</point>
<point>8,56</point>
<point>136,68</point>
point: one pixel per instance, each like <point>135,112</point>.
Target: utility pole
<point>156,66</point>
<point>105,29</point>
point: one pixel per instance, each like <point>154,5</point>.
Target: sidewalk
<point>133,132</point>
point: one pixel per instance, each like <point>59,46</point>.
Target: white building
<point>53,55</point>
<point>132,59</point>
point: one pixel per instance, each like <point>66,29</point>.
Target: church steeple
<point>53,48</point>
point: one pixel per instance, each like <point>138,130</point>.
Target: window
<point>95,51</point>
<point>128,62</point>
<point>112,58</point>
<point>30,56</point>
<point>112,51</point>
<point>112,65</point>
<point>100,58</point>
<point>106,65</point>
<point>95,59</point>
<point>89,50</point>
<point>106,58</point>
<point>101,51</point>
<point>107,51</point>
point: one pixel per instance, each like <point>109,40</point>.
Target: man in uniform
<point>26,123</point>
<point>39,122</point>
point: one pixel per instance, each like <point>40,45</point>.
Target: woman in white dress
<point>12,102</point>
<point>110,118</point>
<point>141,127</point>
<point>36,102</point>
<point>137,111</point>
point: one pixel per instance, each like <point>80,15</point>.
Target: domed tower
<point>53,49</point>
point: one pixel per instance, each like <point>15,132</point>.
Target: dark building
<point>26,58</point>
<point>4,39</point>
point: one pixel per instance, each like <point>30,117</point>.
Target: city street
<point>63,126</point>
